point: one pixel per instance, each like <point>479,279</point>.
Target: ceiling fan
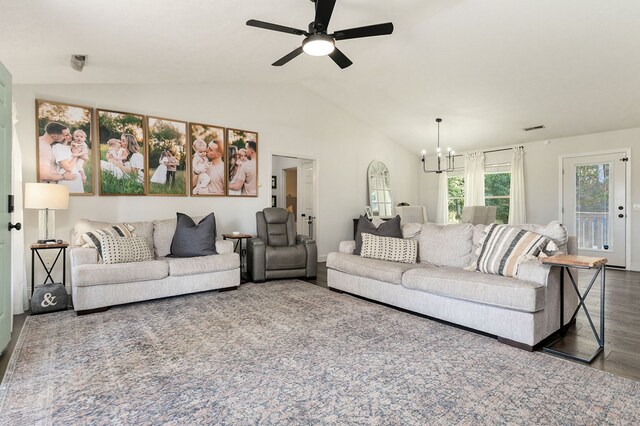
<point>317,42</point>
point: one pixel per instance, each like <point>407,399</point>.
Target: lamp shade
<point>46,196</point>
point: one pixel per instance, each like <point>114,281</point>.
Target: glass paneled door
<point>594,205</point>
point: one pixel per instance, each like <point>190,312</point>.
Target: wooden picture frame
<point>167,152</point>
<point>208,177</point>
<point>242,169</point>
<point>122,172</point>
<point>67,149</point>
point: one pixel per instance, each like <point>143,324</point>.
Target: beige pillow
<point>446,245</point>
<point>389,248</point>
<point>125,250</point>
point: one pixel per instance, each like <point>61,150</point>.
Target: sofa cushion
<point>125,250</point>
<point>191,239</point>
<point>142,229</point>
<point>381,270</point>
<point>390,228</point>
<point>555,230</point>
<point>389,248</point>
<point>505,247</point>
<point>181,266</point>
<point>477,287</point>
<point>292,257</point>
<point>98,274</point>
<point>163,231</point>
<point>446,245</point>
<point>93,238</point>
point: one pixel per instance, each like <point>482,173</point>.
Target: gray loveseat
<point>520,311</point>
<point>96,285</point>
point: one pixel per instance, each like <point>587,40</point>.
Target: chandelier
<point>450,157</point>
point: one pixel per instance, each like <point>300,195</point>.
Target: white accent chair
<point>479,215</point>
<point>412,214</point>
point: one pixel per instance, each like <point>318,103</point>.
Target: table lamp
<point>46,197</point>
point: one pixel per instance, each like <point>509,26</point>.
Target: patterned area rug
<point>288,352</point>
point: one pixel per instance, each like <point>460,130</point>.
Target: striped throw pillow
<point>125,250</point>
<point>505,247</point>
<point>389,248</point>
<point>92,239</point>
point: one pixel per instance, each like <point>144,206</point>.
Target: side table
<point>566,261</point>
<point>239,237</point>
<point>35,251</point>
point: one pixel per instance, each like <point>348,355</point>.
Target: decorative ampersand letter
<point>48,300</point>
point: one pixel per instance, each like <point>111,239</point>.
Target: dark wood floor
<point>622,316</point>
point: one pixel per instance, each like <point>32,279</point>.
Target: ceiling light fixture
<point>318,45</point>
<point>450,157</point>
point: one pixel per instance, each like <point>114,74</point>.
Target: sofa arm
<point>312,255</point>
<point>533,271</point>
<point>83,256</point>
<point>224,246</point>
<point>256,266</point>
<point>347,247</point>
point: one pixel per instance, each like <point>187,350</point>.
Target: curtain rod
<point>493,150</point>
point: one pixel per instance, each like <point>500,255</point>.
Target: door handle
<point>17,226</point>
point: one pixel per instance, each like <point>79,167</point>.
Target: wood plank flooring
<point>622,328</point>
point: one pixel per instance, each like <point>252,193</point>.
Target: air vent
<point>528,129</point>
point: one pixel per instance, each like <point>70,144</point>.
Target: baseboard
<point>322,258</point>
<point>634,267</point>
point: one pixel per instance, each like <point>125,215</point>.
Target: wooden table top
<point>49,245</point>
<point>574,260</point>
<point>237,236</point>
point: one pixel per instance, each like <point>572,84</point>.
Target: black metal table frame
<point>36,251</point>
<point>600,270</point>
<point>241,252</point>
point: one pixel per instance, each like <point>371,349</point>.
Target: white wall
<point>290,120</point>
<point>542,177</point>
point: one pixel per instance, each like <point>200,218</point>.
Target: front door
<point>5,216</point>
<point>307,198</point>
<point>594,204</point>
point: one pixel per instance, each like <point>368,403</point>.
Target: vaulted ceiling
<point>487,67</point>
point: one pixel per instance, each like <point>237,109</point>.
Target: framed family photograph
<point>242,154</point>
<point>167,157</point>
<point>65,145</point>
<point>122,149</point>
<point>208,158</point>
<point>274,182</point>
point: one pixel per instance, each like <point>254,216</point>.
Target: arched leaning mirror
<point>379,184</point>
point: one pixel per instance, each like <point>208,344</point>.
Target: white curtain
<point>442,207</point>
<point>474,179</point>
<point>517,206</point>
<point>18,268</point>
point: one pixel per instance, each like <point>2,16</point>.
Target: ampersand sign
<point>48,300</point>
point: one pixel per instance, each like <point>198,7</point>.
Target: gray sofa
<point>521,311</point>
<point>95,285</point>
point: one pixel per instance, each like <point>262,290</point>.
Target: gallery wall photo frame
<point>121,167</point>
<point>274,182</point>
<point>207,160</point>
<point>167,164</point>
<point>242,159</point>
<point>65,145</point>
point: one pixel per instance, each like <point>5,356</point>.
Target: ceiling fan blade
<point>368,31</point>
<point>286,58</point>
<point>275,27</point>
<point>324,10</point>
<point>340,59</point>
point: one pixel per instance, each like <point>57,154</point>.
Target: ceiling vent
<point>528,129</point>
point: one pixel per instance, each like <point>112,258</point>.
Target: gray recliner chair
<point>277,252</point>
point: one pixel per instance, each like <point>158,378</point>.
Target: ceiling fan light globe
<point>318,45</point>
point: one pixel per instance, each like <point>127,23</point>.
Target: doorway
<point>5,207</point>
<point>294,187</point>
<point>594,209</point>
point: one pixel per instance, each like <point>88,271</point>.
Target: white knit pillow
<point>125,250</point>
<point>389,248</point>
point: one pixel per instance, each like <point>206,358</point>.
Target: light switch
<point>636,207</point>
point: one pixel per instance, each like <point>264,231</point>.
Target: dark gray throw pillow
<point>191,240</point>
<point>390,228</point>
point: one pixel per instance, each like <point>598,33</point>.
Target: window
<point>496,193</point>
